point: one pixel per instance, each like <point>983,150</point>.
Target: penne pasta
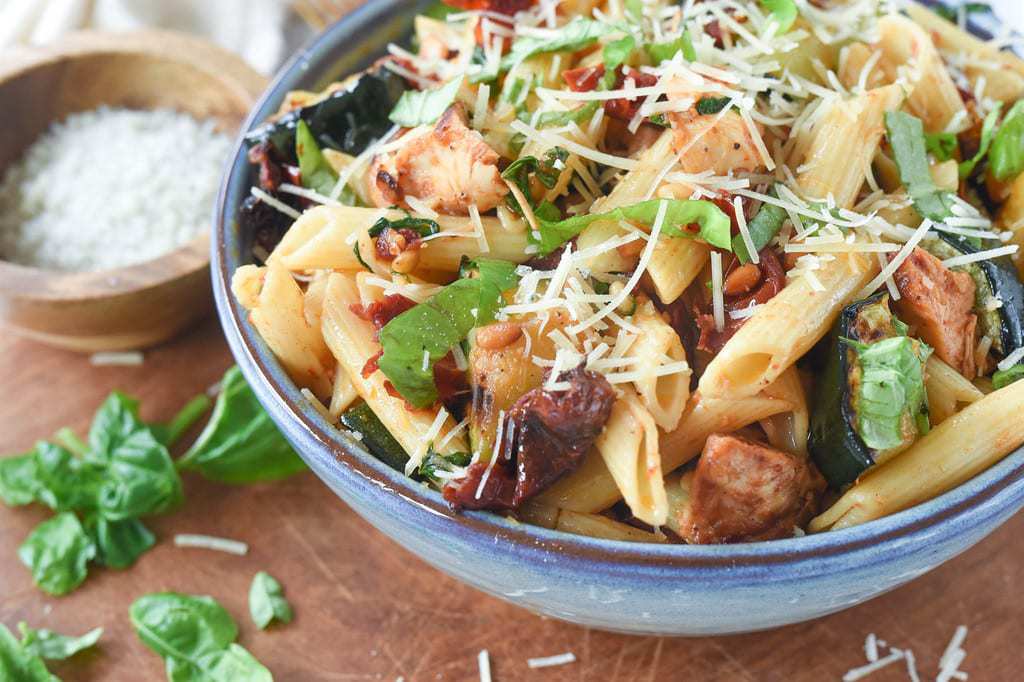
<point>597,526</point>
<point>665,396</point>
<point>948,390</point>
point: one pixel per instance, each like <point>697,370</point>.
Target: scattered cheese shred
<point>128,358</point>
<point>964,259</point>
<point>483,662</point>
<point>551,661</point>
<point>717,296</point>
<point>211,542</point>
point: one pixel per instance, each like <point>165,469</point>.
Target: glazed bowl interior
<point>576,573</point>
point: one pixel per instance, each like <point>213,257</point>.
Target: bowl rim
<point>45,284</point>
<point>966,505</point>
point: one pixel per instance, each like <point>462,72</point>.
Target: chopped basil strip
<point>1006,157</point>
<point>715,225</point>
<point>891,400</point>
<point>421,226</point>
<point>315,172</point>
<point>952,13</point>
<point>906,135</point>
<point>546,170</point>
<point>359,257</point>
<point>616,53</point>
<point>420,107</point>
<point>762,229</point>
<point>561,118</point>
<point>55,647</point>
<point>1005,377</point>
<point>988,129</point>
<point>576,35</point>
<point>784,13</point>
<point>941,145</point>
<point>267,602</point>
<point>711,105</point>
<point>430,329</point>
<point>663,52</point>
<point>434,462</point>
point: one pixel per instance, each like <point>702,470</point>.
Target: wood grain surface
<point>368,610</point>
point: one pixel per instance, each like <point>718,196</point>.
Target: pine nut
<point>742,280</point>
<point>498,335</point>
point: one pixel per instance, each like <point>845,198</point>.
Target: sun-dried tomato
<point>379,313</point>
<point>773,278</point>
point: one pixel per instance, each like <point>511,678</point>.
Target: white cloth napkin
<point>253,29</point>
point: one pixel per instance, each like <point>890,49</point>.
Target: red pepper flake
<point>383,311</point>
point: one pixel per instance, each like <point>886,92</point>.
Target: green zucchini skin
<point>1001,277</point>
<point>833,443</point>
<point>376,437</point>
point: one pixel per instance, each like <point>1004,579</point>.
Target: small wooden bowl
<point>141,305</point>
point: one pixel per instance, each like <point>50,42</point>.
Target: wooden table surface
<point>368,610</point>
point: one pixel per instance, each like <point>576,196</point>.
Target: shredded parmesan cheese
<point>211,542</point>
<point>551,661</point>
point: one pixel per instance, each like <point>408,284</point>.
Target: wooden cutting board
<point>368,610</point>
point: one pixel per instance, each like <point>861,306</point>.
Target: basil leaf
<point>315,172</point>
<point>50,645</point>
<point>267,602</point>
<point>547,172</point>
<point>52,476</point>
<point>119,543</point>
<point>436,325</point>
<point>561,118</point>
<point>762,229</point>
<point>941,145</point>
<point>139,476</point>
<point>892,395</point>
<point>616,53</point>
<point>420,107</point>
<point>715,226</point>
<point>906,135</point>
<point>195,637</point>
<point>1006,158</point>
<point>169,433</point>
<point>240,443</point>
<point>576,35</point>
<point>422,226</point>
<point>987,130</point>
<point>634,10</point>
<point>19,479</point>
<point>359,257</point>
<point>1005,377</point>
<point>663,52</point>
<point>952,13</point>
<point>18,664</point>
<point>57,552</point>
<point>784,12</point>
<point>711,105</point>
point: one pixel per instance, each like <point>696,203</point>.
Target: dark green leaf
<point>660,120</point>
<point>421,107</point>
<point>57,552</point>
<point>195,637</point>
<point>18,664</point>
<point>119,543</point>
<point>374,436</point>
<point>19,479</point>
<point>941,145</point>
<point>951,13</point>
<point>576,35</point>
<point>315,172</point>
<point>762,229</point>
<point>421,226</point>
<point>1006,158</point>
<point>546,170</point>
<point>359,257</point>
<point>485,74</point>
<point>783,12</point>
<point>434,462</point>
<point>715,226</point>
<point>52,476</point>
<point>140,478</point>
<point>906,135</point>
<point>267,602</point>
<point>663,52</point>
<point>436,325</point>
<point>52,646</point>
<point>988,129</point>
<point>1005,377</point>
<point>561,118</point>
<point>169,433</point>
<point>240,443</point>
<point>711,105</point>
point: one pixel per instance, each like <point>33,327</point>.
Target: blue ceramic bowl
<point>638,588</point>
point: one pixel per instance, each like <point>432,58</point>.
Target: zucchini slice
<point>375,436</point>
<point>870,401</point>
<point>994,279</point>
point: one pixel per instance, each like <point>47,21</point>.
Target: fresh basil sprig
<point>714,225</point>
<point>57,552</point>
<point>576,35</point>
<point>240,443</point>
<point>1006,157</point>
<point>196,638</point>
<point>707,106</point>
<point>547,171</point>
<point>420,107</point>
<point>267,602</point>
<point>53,646</point>
<point>762,229</point>
<point>906,135</point>
<point>433,327</point>
<point>988,129</point>
<point>23,661</point>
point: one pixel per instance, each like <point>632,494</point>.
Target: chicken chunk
<point>706,141</point>
<point>939,303</point>
<point>450,168</point>
<point>744,491</point>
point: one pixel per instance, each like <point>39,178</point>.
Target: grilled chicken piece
<point>720,144</point>
<point>939,303</point>
<point>744,491</point>
<point>451,167</point>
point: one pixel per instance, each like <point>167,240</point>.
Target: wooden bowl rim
<point>35,283</point>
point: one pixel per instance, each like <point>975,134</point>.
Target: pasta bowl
<point>613,585</point>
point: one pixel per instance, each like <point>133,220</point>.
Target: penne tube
<point>674,265</point>
<point>629,448</point>
<point>788,430</point>
<point>844,143</point>
<point>856,69</point>
<point>664,397</point>
<point>352,342</point>
<point>952,453</point>
<point>784,328</point>
<point>677,491</point>
<point>597,526</point>
<point>343,393</point>
<point>307,226</point>
<point>948,390</point>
